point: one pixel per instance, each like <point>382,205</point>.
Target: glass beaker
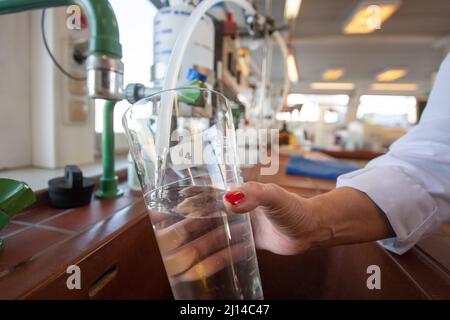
<point>207,252</point>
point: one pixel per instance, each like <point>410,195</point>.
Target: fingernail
<point>234,197</point>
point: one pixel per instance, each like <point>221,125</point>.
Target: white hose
<point>284,51</point>
<point>174,65</point>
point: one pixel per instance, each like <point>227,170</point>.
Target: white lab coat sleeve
<point>411,183</point>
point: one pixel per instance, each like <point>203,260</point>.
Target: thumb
<point>253,194</point>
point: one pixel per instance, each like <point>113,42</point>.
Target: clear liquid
<point>207,253</point>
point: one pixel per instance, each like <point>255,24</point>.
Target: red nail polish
<point>234,197</point>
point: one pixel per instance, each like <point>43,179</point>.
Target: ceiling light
<point>292,68</point>
<point>369,16</point>
<point>292,8</point>
<point>394,86</point>
<point>332,86</point>
<point>332,74</point>
<point>392,74</point>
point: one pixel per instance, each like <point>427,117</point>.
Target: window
<point>331,116</point>
<point>334,108</point>
<point>309,112</point>
<point>135,19</point>
<point>321,99</point>
<point>389,111</point>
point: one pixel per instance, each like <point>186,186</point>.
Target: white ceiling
<point>325,17</point>
<point>416,37</point>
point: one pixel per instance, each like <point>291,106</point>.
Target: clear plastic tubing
<point>284,51</point>
<point>173,69</point>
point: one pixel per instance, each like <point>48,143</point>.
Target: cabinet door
<point>126,267</point>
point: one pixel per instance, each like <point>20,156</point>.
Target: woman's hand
<point>286,223</point>
<point>283,222</point>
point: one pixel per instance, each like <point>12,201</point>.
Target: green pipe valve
<point>193,93</point>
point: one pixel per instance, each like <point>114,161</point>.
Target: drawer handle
<point>101,282</point>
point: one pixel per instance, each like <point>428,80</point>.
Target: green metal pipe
<point>104,31</point>
<point>109,181</point>
<point>104,40</point>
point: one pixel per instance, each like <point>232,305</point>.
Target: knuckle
<point>255,187</point>
<point>272,187</point>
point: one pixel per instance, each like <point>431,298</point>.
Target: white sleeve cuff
<point>409,208</point>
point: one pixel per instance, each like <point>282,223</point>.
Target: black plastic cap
<point>72,190</point>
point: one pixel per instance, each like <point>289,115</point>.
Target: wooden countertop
<point>42,242</point>
<point>353,155</point>
<point>299,184</point>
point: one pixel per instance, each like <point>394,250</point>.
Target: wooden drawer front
<point>126,267</point>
